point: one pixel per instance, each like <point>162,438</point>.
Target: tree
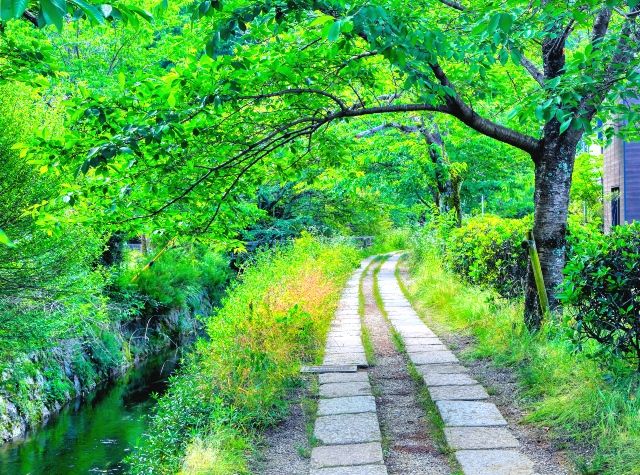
<point>446,193</point>
<point>279,74</point>
<point>586,54</point>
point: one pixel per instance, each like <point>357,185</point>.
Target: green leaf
<point>334,31</point>
<point>321,20</point>
<point>53,12</point>
<point>565,125</point>
<point>4,239</point>
<point>505,23</point>
<point>493,23</point>
<point>12,8</point>
<point>93,13</point>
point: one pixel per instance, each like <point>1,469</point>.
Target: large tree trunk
<point>553,170</point>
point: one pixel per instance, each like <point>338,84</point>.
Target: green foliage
<point>594,408</point>
<point>586,188</point>
<point>601,286</point>
<point>179,278</point>
<point>236,382</point>
<point>391,239</point>
<point>488,250</point>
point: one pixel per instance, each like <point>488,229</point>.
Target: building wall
<point>631,182</point>
<point>613,177</point>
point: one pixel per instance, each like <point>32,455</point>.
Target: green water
<point>95,434</point>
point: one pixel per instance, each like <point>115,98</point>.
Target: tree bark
<point>553,170</point>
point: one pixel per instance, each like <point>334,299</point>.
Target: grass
<point>593,409</point>
<point>238,381</point>
<point>369,351</point>
<point>310,409</point>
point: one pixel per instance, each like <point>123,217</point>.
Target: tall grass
<point>592,408</point>
<point>271,321</point>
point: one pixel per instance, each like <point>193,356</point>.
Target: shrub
<point>488,250</point>
<point>178,278</point>
<point>271,320</point>
<point>602,285</point>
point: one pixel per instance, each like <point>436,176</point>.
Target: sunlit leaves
<point>12,9</point>
<point>4,239</point>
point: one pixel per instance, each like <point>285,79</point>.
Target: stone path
<point>347,429</point>
<point>473,427</point>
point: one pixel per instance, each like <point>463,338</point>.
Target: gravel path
<point>409,449</point>
<point>286,446</point>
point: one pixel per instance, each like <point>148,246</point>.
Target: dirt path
<point>286,447</point>
<point>408,447</point>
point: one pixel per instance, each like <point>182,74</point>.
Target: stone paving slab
<point>345,326</point>
<point>422,342</point>
<point>354,454</point>
<point>343,349</point>
<point>473,392</point>
<point>355,388</point>
<point>352,470</point>
<point>494,462</point>
<point>416,333</point>
<point>353,338</point>
<point>470,438</point>
<point>448,379</point>
<point>428,340</point>
<point>360,360</point>
<point>346,405</point>
<point>442,368</point>
<point>360,376</point>
<point>470,413</point>
<point>425,348</point>
<point>340,336</point>
<point>329,369</point>
<point>357,342</point>
<point>347,429</point>
<point>432,357</point>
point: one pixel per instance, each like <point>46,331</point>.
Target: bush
<point>602,285</point>
<point>488,250</point>
<point>178,278</point>
<point>274,318</point>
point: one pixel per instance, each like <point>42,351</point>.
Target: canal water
<point>95,434</point>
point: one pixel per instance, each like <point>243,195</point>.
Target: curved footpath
<point>347,428</point>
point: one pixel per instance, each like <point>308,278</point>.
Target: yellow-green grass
<point>585,405</point>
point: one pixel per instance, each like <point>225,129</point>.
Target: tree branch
<point>463,112</point>
<point>532,70</point>
<point>453,4</point>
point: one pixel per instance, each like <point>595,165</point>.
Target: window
<point>615,206</point>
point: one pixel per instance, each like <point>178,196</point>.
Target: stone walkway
<point>473,427</point>
<point>347,429</point>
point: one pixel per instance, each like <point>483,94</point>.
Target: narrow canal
<point>93,435</point>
